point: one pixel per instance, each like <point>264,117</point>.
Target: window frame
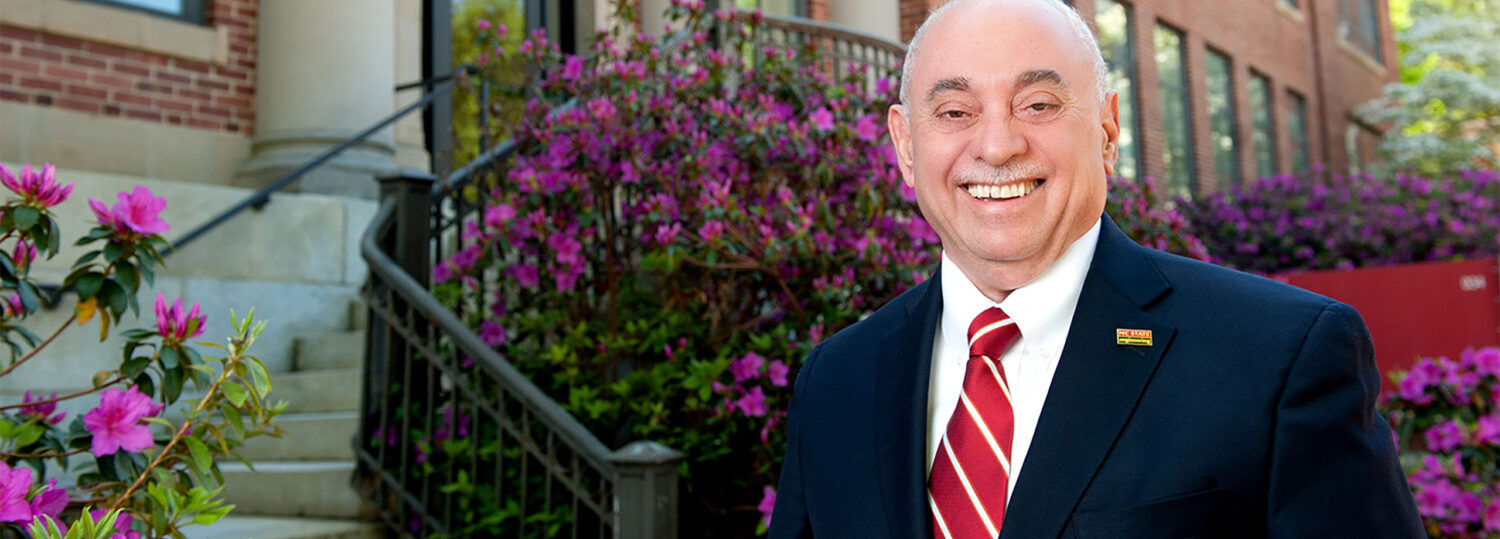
<point>1352,31</point>
<point>1273,155</point>
<point>1130,105</point>
<point>1229,113</point>
<point>1188,184</point>
<point>193,11</point>
<point>1297,119</point>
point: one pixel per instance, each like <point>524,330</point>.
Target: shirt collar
<point>1043,309</point>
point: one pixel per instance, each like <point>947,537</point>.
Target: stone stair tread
<point>265,527</point>
<point>324,390</point>
<point>289,466</point>
<point>339,350</point>
<point>292,488</point>
<point>308,436</point>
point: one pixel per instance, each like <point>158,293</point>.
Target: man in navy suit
<point>1054,379</point>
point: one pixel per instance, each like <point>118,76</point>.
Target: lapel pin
<point>1133,337</point>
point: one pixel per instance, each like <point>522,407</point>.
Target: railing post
<point>412,190</point>
<point>646,491</point>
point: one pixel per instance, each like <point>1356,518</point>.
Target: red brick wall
<point>103,79</point>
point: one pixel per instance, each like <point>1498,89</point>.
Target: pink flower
<point>572,68</point>
<point>13,307</point>
<point>525,275</point>
<point>173,325</point>
<point>602,109</point>
<point>137,212</point>
<point>753,404</point>
<point>50,501</point>
<point>747,367</point>
<point>711,230</point>
<point>492,333</point>
<point>1492,515</point>
<point>1487,361</point>
<point>822,119</point>
<point>42,411</point>
<point>15,483</point>
<point>1487,430</point>
<point>122,524</point>
<point>23,254</point>
<point>767,505</point>
<point>868,128</point>
<point>778,372</point>
<point>484,24</point>
<point>1444,437</point>
<point>36,188</point>
<point>116,423</point>
<point>499,215</point>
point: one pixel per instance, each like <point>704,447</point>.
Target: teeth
<point>1007,191</point>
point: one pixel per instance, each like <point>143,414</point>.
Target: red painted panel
<point>1426,309</point>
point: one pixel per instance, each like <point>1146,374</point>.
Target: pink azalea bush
<point>1447,425</point>
<point>124,450</point>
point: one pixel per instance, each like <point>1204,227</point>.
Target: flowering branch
<point>101,387</point>
<point>39,347</point>
<point>37,456</point>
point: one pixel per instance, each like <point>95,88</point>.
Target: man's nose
<point>999,139</point>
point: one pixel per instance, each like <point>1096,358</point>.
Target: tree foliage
<point>1445,112</point>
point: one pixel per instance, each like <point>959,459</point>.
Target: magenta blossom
<point>753,404</point>
<point>1445,436</point>
<point>122,524</point>
<point>23,254</point>
<point>1487,430</point>
<point>50,501</point>
<point>822,119</point>
<point>116,423</point>
<point>137,212</point>
<point>767,505</point>
<point>868,128</point>
<point>173,325</point>
<point>492,333</point>
<point>15,484</point>
<point>12,307</point>
<point>747,367</point>
<point>36,188</point>
<point>42,411</point>
<point>778,372</point>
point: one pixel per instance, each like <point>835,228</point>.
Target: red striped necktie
<point>972,468</point>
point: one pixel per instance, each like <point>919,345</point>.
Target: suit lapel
<point>1095,388</point>
<point>900,407</point>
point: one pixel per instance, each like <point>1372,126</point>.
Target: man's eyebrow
<point>952,84</point>
<point>1039,76</point>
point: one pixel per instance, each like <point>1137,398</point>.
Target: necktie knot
<point>991,332</point>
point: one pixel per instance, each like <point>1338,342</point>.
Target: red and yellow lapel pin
<point>1133,337</point>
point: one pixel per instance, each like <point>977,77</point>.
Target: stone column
<point>410,150</point>
<point>326,70</point>
<point>878,17</point>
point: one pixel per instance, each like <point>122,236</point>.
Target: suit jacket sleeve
<point>790,518</point>
<point>1334,470</point>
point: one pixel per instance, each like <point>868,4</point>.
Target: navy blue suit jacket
<point>1251,414</point>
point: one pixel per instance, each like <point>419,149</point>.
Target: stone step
<point>310,489</point>
<point>359,316</point>
<point>237,526</point>
<point>330,390</point>
<point>309,436</point>
<point>340,350</point>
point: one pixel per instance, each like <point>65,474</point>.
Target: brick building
<point>1211,92</point>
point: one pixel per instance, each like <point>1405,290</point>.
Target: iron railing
<point>432,384</point>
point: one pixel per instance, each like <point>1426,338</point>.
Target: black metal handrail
<point>439,86</point>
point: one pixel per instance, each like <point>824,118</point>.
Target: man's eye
<point>1041,107</point>
<point>952,114</point>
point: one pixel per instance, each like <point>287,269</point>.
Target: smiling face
<point>1004,139</point>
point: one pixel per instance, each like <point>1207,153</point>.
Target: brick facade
<point>1297,48</point>
<point>105,79</point>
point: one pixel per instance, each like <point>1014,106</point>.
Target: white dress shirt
<point>1043,310</point>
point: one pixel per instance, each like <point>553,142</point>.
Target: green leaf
<point>234,392</point>
<point>55,234</point>
<point>171,384</point>
<point>24,217</point>
<point>134,367</point>
<point>113,295</point>
<point>261,378</point>
<point>145,384</point>
<point>169,357</point>
<point>207,518</point>
<point>30,298</point>
<point>126,275</point>
<point>147,273</point>
<point>113,251</point>
<point>28,434</point>
<point>88,284</point>
<point>202,459</point>
<point>233,416</point>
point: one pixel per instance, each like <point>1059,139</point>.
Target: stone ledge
<point>122,27</point>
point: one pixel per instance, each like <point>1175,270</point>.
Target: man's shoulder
<point>875,328</point>
<point>1227,287</point>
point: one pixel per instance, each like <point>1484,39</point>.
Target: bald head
<point>1075,22</point>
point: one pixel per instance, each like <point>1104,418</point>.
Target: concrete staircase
<point>301,484</point>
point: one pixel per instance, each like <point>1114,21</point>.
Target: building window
<point>184,10</point>
<point>1113,20</point>
<point>790,8</point>
<point>1296,131</point>
<point>1221,115</point>
<point>1176,112</point>
<point>1359,25</point>
<point>1264,136</point>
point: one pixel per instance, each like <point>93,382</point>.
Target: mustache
<point>1006,173</point>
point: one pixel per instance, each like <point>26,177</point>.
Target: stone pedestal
<point>325,71</point>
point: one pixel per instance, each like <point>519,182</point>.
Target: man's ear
<point>900,128</point>
<point>1109,119</point>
